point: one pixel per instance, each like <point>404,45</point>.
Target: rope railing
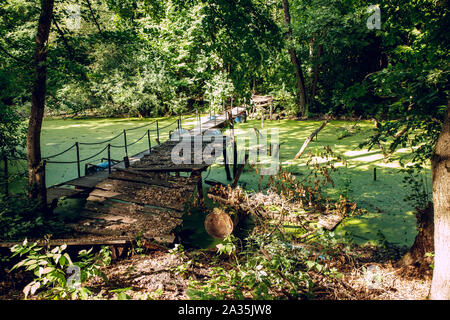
<point>60,153</point>
<point>130,144</point>
<point>145,125</point>
<point>158,130</point>
<point>81,160</point>
<point>100,142</point>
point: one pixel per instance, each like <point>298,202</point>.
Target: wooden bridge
<point>144,195</point>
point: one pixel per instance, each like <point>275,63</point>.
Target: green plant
<point>267,268</point>
<point>139,247</point>
<point>183,268</point>
<point>19,217</point>
<point>227,246</point>
<point>419,191</point>
<point>56,275</point>
<point>346,188</point>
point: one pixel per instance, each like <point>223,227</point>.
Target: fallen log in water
<point>309,139</point>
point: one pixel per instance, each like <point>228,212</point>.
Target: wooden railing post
<point>149,141</point>
<point>77,146</point>
<point>125,142</point>
<point>109,158</point>
<point>225,158</point>
<point>157,131</point>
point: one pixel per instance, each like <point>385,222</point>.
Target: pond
<point>387,212</point>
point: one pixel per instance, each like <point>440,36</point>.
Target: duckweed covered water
<point>387,213</point>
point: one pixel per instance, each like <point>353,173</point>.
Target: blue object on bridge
<point>212,132</point>
<point>104,165</point>
<point>98,167</point>
<point>238,119</point>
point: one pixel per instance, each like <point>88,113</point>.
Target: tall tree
<point>440,167</point>
<point>295,61</point>
<point>36,169</point>
<point>414,89</point>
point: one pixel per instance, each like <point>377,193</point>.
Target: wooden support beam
<point>225,159</point>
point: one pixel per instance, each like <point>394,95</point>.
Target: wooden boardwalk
<point>148,198</point>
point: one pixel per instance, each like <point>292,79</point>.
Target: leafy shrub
<point>56,275</point>
<point>269,266</point>
<point>19,217</point>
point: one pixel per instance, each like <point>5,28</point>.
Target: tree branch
<point>13,57</point>
<point>93,17</point>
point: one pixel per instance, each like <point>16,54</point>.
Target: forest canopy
<point>144,58</point>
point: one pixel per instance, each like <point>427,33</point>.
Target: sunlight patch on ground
<point>374,157</point>
<point>390,165</point>
<point>354,153</point>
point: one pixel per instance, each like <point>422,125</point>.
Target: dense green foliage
<point>56,276</point>
<point>156,57</point>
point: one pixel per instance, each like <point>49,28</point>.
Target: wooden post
<point>109,158</point>
<point>78,159</point>
<point>149,141</point>
<point>375,174</point>
<point>198,174</point>
<point>157,131</point>
<point>233,140</point>
<point>225,160</point>
<point>180,122</point>
<point>125,142</point>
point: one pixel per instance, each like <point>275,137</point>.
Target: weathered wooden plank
<point>145,194</point>
<point>184,168</point>
<point>55,193</point>
<point>111,206</point>
<point>121,223</point>
<point>151,179</point>
<point>88,181</point>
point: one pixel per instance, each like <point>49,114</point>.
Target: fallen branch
<point>309,139</point>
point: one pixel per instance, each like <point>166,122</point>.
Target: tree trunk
<point>295,61</point>
<point>440,168</point>
<point>36,169</point>
<point>424,242</point>
<point>316,75</point>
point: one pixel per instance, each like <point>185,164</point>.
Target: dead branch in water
<point>309,139</point>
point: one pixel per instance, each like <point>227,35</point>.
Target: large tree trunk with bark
<point>295,61</point>
<point>424,242</point>
<point>36,169</point>
<point>440,167</point>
